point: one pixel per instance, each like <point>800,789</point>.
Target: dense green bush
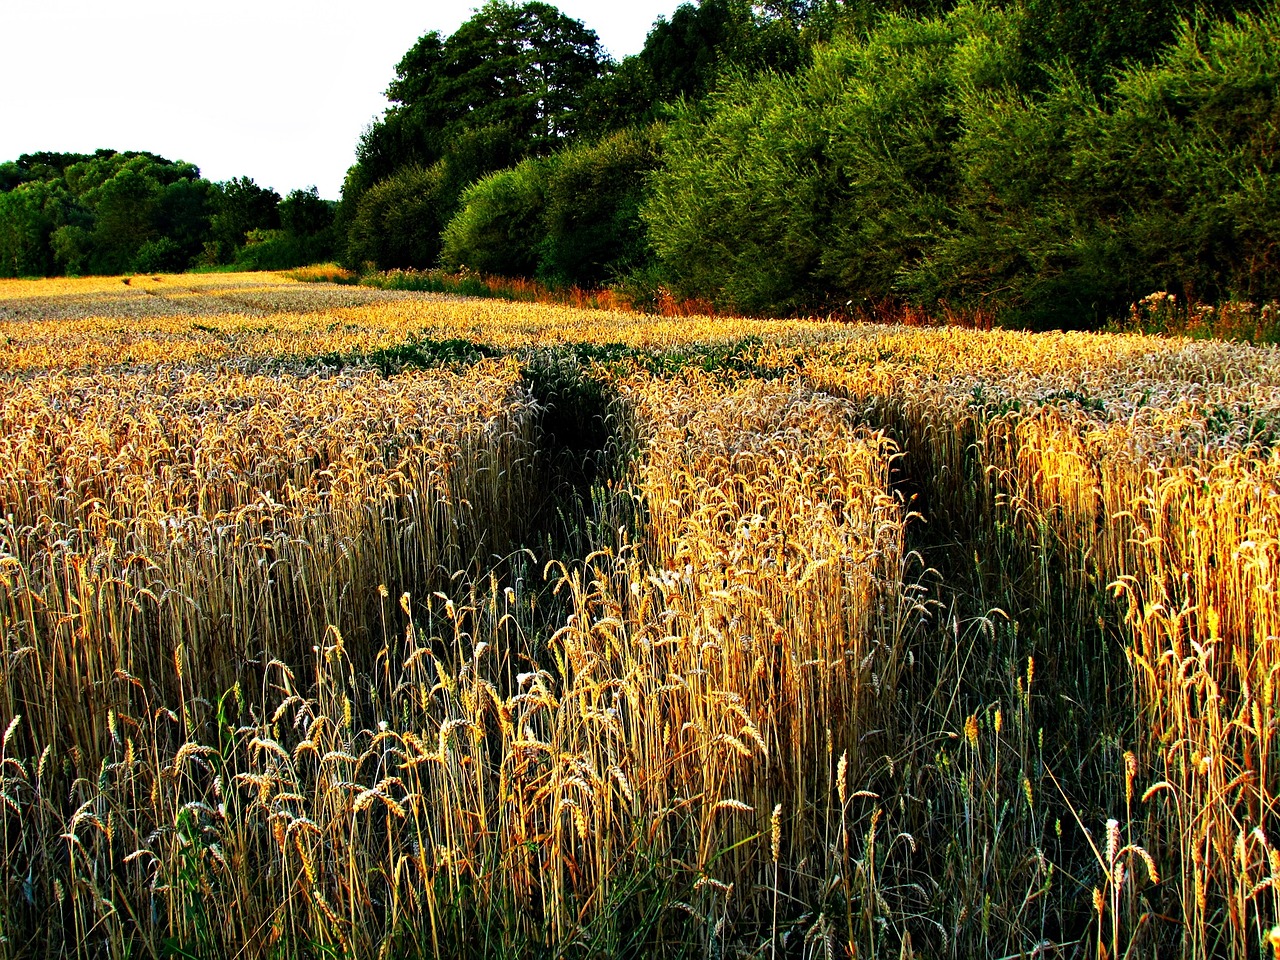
<point>498,226</point>
<point>159,255</point>
<point>1186,165</point>
<point>592,227</point>
<point>1019,238</point>
<point>916,161</point>
<point>1070,208</point>
<point>892,134</point>
<point>736,213</point>
<point>786,193</point>
<point>569,219</point>
<point>398,221</point>
<point>1097,38</point>
<point>273,250</point>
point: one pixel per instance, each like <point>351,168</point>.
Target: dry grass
<point>277,681</point>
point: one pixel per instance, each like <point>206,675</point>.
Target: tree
<point>686,54</point>
<point>136,198</point>
<point>29,214</point>
<point>72,247</point>
<point>397,222</point>
<point>184,216</point>
<point>126,212</point>
<point>521,68</point>
<point>304,214</point>
<point>786,193</point>
<point>240,205</point>
<point>11,174</point>
<point>509,83</point>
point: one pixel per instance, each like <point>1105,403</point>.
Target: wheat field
<point>349,622</point>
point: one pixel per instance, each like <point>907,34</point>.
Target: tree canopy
<point>112,212</point>
<point>1050,163</point>
<point>518,70</point>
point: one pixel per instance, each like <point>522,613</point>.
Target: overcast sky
<point>277,90</point>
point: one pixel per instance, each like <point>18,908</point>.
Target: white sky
<point>277,90</point>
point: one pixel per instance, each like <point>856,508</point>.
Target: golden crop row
<point>209,516</point>
<point>1148,470</point>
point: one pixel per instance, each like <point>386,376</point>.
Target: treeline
<point>110,212</point>
<point>515,146</point>
<point>1046,163</point>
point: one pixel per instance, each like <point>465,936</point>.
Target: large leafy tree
<point>517,68</point>
<point>684,57</point>
<point>75,211</point>
<point>30,214</point>
<point>686,54</point>
<point>138,199</point>
<point>508,84</point>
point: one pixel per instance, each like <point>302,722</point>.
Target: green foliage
<point>304,214</point>
<point>517,68</point>
<point>71,246</point>
<point>521,67</point>
<point>592,226</point>
<point>159,255</point>
<point>1184,167</point>
<point>99,212</point>
<point>739,209</point>
<point>112,212</point>
<point>506,85</point>
<point>891,136</point>
<point>626,95</point>
<point>306,235</point>
<point>1071,208</point>
<point>241,205</point>
<point>687,54</point>
<point>29,215</point>
<point>927,159</point>
<point>498,226</point>
<point>1097,38</point>
<point>571,219</point>
<point>11,175</point>
<point>126,209</point>
<point>781,193</point>
<point>271,250</point>
<point>398,221</point>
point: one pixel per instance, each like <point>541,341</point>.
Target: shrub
<point>272,250</point>
<point>1185,164</point>
<point>161,255</point>
<point>398,221</point>
<point>783,193</point>
<point>1069,208</point>
<point>498,225</point>
<point>740,207</point>
<point>593,230</point>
